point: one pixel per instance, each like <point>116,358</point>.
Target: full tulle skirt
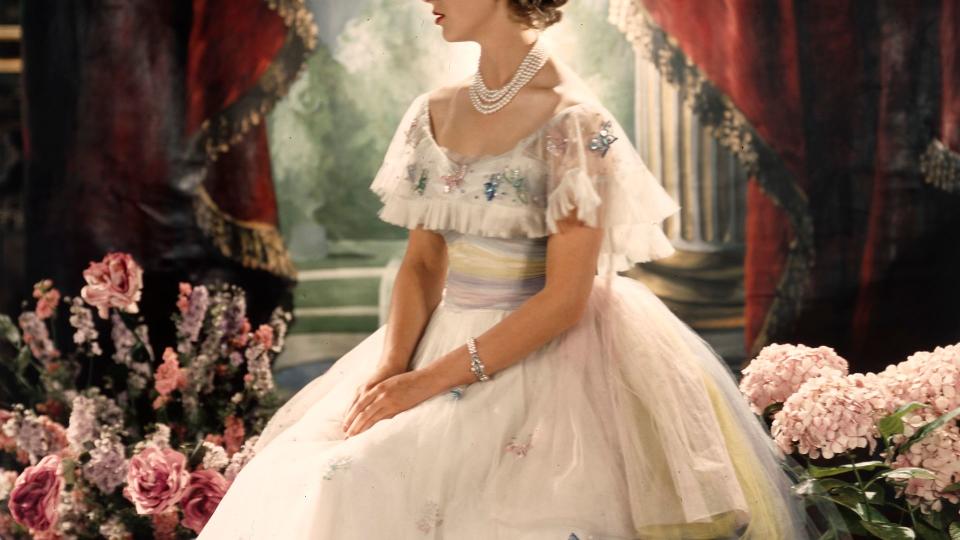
<point>627,425</point>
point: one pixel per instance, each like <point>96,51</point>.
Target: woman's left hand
<point>387,399</point>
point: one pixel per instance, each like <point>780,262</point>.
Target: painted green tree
<point>329,135</point>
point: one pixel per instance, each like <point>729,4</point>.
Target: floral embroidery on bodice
<point>579,162</point>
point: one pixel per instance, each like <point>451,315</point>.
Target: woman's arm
<point>416,293</point>
<point>571,265</point>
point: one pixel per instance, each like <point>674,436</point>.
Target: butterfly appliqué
<point>512,177</point>
<point>556,144</point>
<point>454,180</point>
<point>603,139</point>
<point>419,184</point>
<point>492,184</point>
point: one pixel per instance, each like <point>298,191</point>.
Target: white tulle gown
<point>626,426</point>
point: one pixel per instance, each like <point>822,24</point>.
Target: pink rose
<point>206,489</point>
<point>36,493</point>
<point>156,479</point>
<point>116,281</point>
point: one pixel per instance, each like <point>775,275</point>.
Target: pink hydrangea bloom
<point>931,377</point>
<point>206,489</point>
<point>36,494</point>
<point>938,452</point>
<point>114,282</point>
<point>780,369</point>
<point>831,414</point>
<point>156,479</point>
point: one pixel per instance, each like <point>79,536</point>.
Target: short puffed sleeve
<point>400,151</point>
<point>595,174</point>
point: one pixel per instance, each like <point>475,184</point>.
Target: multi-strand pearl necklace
<point>490,101</point>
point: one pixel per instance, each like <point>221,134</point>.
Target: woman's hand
<point>387,399</point>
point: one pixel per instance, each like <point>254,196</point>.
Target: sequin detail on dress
<point>337,464</point>
<point>454,180</point>
<point>419,184</point>
<point>492,184</point>
<point>603,139</point>
<point>430,517</point>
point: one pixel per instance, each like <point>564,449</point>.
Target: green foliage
<point>329,135</point>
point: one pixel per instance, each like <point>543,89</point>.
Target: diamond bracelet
<point>476,365</point>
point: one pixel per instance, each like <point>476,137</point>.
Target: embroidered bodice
<point>577,162</point>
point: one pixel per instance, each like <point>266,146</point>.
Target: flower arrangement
<point>884,447</point>
<point>149,448</point>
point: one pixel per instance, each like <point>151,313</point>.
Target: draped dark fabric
<point>847,117</point>
<point>144,133</point>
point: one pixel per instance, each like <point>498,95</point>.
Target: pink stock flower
<point>206,489</point>
<point>169,376</point>
<point>183,299</point>
<point>47,298</point>
<point>36,335</point>
<point>780,369</point>
<point>36,494</point>
<point>114,282</point>
<point>831,414</point>
<point>156,479</point>
<point>240,458</point>
<point>264,335</point>
<point>165,525</point>
<point>233,434</point>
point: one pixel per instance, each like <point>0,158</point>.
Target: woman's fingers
<point>363,399</point>
<point>366,418</point>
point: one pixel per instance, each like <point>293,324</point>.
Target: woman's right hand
<point>383,372</point>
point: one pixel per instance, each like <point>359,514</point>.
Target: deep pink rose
<point>207,487</point>
<point>156,479</point>
<point>36,494</point>
<point>116,281</point>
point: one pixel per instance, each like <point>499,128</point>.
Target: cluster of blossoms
<point>779,370</point>
<point>830,413</point>
<point>177,472</point>
<point>939,453</point>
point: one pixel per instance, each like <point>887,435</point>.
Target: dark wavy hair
<point>537,13</point>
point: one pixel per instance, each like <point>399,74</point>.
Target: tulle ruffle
<point>606,432</point>
<point>614,191</point>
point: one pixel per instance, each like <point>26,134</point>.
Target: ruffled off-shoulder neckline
<point>426,122</point>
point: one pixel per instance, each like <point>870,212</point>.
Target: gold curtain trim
<point>941,166</point>
<point>731,128</point>
<point>225,129</point>
<point>254,244</point>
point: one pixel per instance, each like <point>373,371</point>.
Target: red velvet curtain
<point>144,133</point>
<point>849,243</point>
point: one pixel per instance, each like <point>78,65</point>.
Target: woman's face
<point>465,20</point>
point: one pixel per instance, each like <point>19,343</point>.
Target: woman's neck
<point>501,55</point>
